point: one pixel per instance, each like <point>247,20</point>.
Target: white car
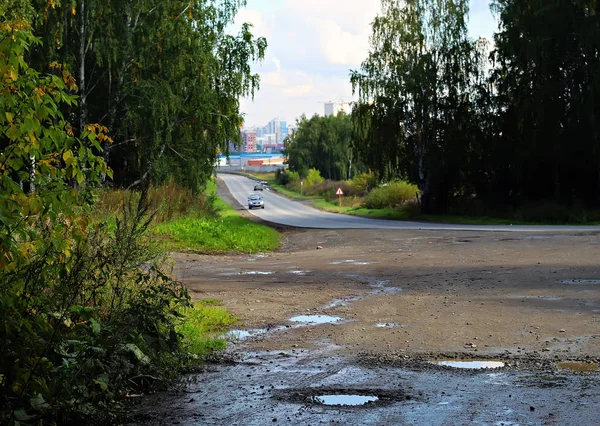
<point>255,200</point>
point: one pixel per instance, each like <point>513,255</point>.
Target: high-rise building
<point>249,138</point>
<point>333,108</point>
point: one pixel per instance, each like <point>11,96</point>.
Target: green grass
<point>203,327</point>
<point>226,233</point>
<point>412,214</point>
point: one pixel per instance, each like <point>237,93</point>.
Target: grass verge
<point>226,232</point>
<point>203,327</point>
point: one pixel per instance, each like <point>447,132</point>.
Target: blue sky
<point>313,45</point>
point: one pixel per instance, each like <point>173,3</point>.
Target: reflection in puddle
<point>341,302</point>
<point>316,319</point>
<point>351,262</point>
<point>470,364</point>
<point>388,325</point>
<point>244,334</point>
<point>579,367</point>
<point>230,274</point>
<point>299,272</point>
<point>580,281</point>
<point>345,399</point>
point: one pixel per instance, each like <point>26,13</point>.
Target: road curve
<point>281,210</point>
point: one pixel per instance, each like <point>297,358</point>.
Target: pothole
<point>581,282</point>
<point>244,334</point>
<point>388,325</point>
<point>351,262</point>
<point>349,400</point>
<point>470,364</point>
<point>299,272</point>
<point>361,398</point>
<point>316,319</point>
<point>579,367</point>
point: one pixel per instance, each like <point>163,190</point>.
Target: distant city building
<point>249,138</point>
<point>333,108</point>
<point>268,138</point>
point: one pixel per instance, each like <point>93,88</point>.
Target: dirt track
<point>403,299</point>
<point>446,292</point>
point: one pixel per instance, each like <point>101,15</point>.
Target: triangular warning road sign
<point>339,192</point>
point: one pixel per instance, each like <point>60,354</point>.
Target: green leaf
<point>22,416</point>
<point>96,327</point>
<point>102,381</point>
<point>38,402</point>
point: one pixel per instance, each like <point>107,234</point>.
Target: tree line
<point>477,124</point>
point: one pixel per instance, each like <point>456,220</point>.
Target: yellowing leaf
<point>68,156</point>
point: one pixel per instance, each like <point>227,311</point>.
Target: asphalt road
<point>281,210</point>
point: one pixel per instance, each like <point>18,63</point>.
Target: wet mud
<point>409,328</point>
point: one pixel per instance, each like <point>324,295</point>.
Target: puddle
<point>300,272</point>
<point>231,274</point>
<point>474,365</point>
<point>579,367</point>
<point>389,325</point>
<point>353,400</point>
<point>244,334</point>
<point>341,302</point>
<point>316,319</point>
<point>351,262</point>
<point>580,282</point>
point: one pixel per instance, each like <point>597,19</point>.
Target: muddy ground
<point>402,298</point>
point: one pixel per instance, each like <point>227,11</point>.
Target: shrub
<point>313,178</point>
<point>390,195</point>
<point>360,182</point>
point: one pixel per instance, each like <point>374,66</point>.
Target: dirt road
<point>391,302</point>
<point>362,316</point>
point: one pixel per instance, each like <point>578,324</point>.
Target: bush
<point>82,329</point>
<point>391,195</point>
<point>313,178</point>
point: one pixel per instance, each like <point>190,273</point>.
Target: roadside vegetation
<point>477,127</point>
<point>89,312</point>
<point>202,223</point>
<point>399,200</point>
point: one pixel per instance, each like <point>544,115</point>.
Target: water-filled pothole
<point>470,364</point>
<point>351,400</point>
<point>579,367</point>
<point>351,262</point>
<point>244,334</point>
<point>581,282</point>
<point>343,397</point>
<point>299,272</point>
<point>316,319</point>
<point>388,325</point>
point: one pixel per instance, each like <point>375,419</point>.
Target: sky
<point>312,46</point>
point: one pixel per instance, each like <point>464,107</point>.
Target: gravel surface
<point>396,301</point>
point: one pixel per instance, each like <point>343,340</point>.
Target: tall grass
<point>167,202</point>
<point>224,231</point>
<point>203,327</point>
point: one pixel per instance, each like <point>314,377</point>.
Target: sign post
<point>339,193</point>
<point>301,185</point>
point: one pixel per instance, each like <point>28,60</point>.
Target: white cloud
<point>342,47</point>
<point>313,44</point>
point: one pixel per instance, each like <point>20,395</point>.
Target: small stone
<point>562,330</point>
<point>318,248</point>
